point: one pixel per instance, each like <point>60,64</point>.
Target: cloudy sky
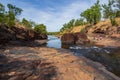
<point>52,13</point>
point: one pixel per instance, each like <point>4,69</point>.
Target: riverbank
<point>105,40</point>
<point>42,63</point>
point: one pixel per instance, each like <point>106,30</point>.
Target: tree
<point>117,6</point>
<point>2,8</point>
<point>108,9</point>
<point>32,23</point>
<point>92,15</point>
<point>11,19</point>
<point>16,11</point>
<point>68,26</point>
<point>2,13</point>
<point>40,28</point>
<point>79,22</point>
<point>26,23</point>
<point>12,13</point>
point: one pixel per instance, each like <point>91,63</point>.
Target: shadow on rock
<point>27,70</point>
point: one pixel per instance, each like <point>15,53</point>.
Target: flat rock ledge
<point>41,63</point>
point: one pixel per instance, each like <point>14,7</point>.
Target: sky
<point>52,13</point>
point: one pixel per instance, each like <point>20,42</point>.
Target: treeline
<point>53,33</point>
<point>10,18</point>
<point>95,13</point>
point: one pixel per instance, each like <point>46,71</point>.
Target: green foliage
<point>12,13</point>
<point>92,15</point>
<point>53,33</point>
<point>32,23</point>
<point>108,9</point>
<point>117,4</point>
<point>40,28</point>
<point>83,30</point>
<point>68,26</point>
<point>118,13</point>
<point>26,23</point>
<point>79,22</point>
<point>11,19</point>
<point>2,15</point>
<point>111,11</point>
<point>16,11</point>
<point>117,7</point>
<point>113,21</point>
<point>2,8</point>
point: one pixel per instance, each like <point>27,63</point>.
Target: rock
<point>68,38</point>
<point>74,38</point>
<point>40,36</point>
<point>3,59</point>
<point>81,38</point>
<point>14,33</point>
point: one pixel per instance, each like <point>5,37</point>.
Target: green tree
<point>2,8</point>
<point>40,28</point>
<point>16,11</point>
<point>117,6</point>
<point>92,15</point>
<point>32,23</point>
<point>3,15</point>
<point>108,9</point>
<point>68,26</point>
<point>12,13</point>
<point>26,23</point>
<point>79,22</point>
<point>11,19</point>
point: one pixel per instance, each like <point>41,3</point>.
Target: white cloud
<point>55,20</point>
<point>54,17</point>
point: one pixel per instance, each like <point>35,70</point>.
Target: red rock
<point>74,38</point>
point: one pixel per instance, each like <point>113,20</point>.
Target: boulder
<point>81,38</point>
<point>75,38</point>
<point>68,38</point>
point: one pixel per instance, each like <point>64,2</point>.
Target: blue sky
<point>52,13</point>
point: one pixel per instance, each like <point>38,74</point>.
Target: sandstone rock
<point>14,33</point>
<point>3,59</point>
<point>81,38</point>
<point>68,39</point>
<point>75,38</point>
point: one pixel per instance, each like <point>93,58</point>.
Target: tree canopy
<point>40,28</point>
<point>92,15</point>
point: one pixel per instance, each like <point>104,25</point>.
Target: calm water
<point>53,42</point>
<point>108,56</point>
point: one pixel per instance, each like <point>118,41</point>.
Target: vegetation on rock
<point>94,14</point>
<point>10,18</point>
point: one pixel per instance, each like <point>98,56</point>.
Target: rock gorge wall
<point>21,34</point>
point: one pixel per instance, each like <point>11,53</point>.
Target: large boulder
<point>81,38</point>
<point>68,38</point>
<point>75,38</point>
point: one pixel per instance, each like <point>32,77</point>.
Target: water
<point>53,42</point>
<point>108,56</point>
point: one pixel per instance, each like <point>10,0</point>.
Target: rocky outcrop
<point>81,38</point>
<point>14,33</point>
<point>75,38</point>
<point>68,38</point>
<point>107,30</point>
